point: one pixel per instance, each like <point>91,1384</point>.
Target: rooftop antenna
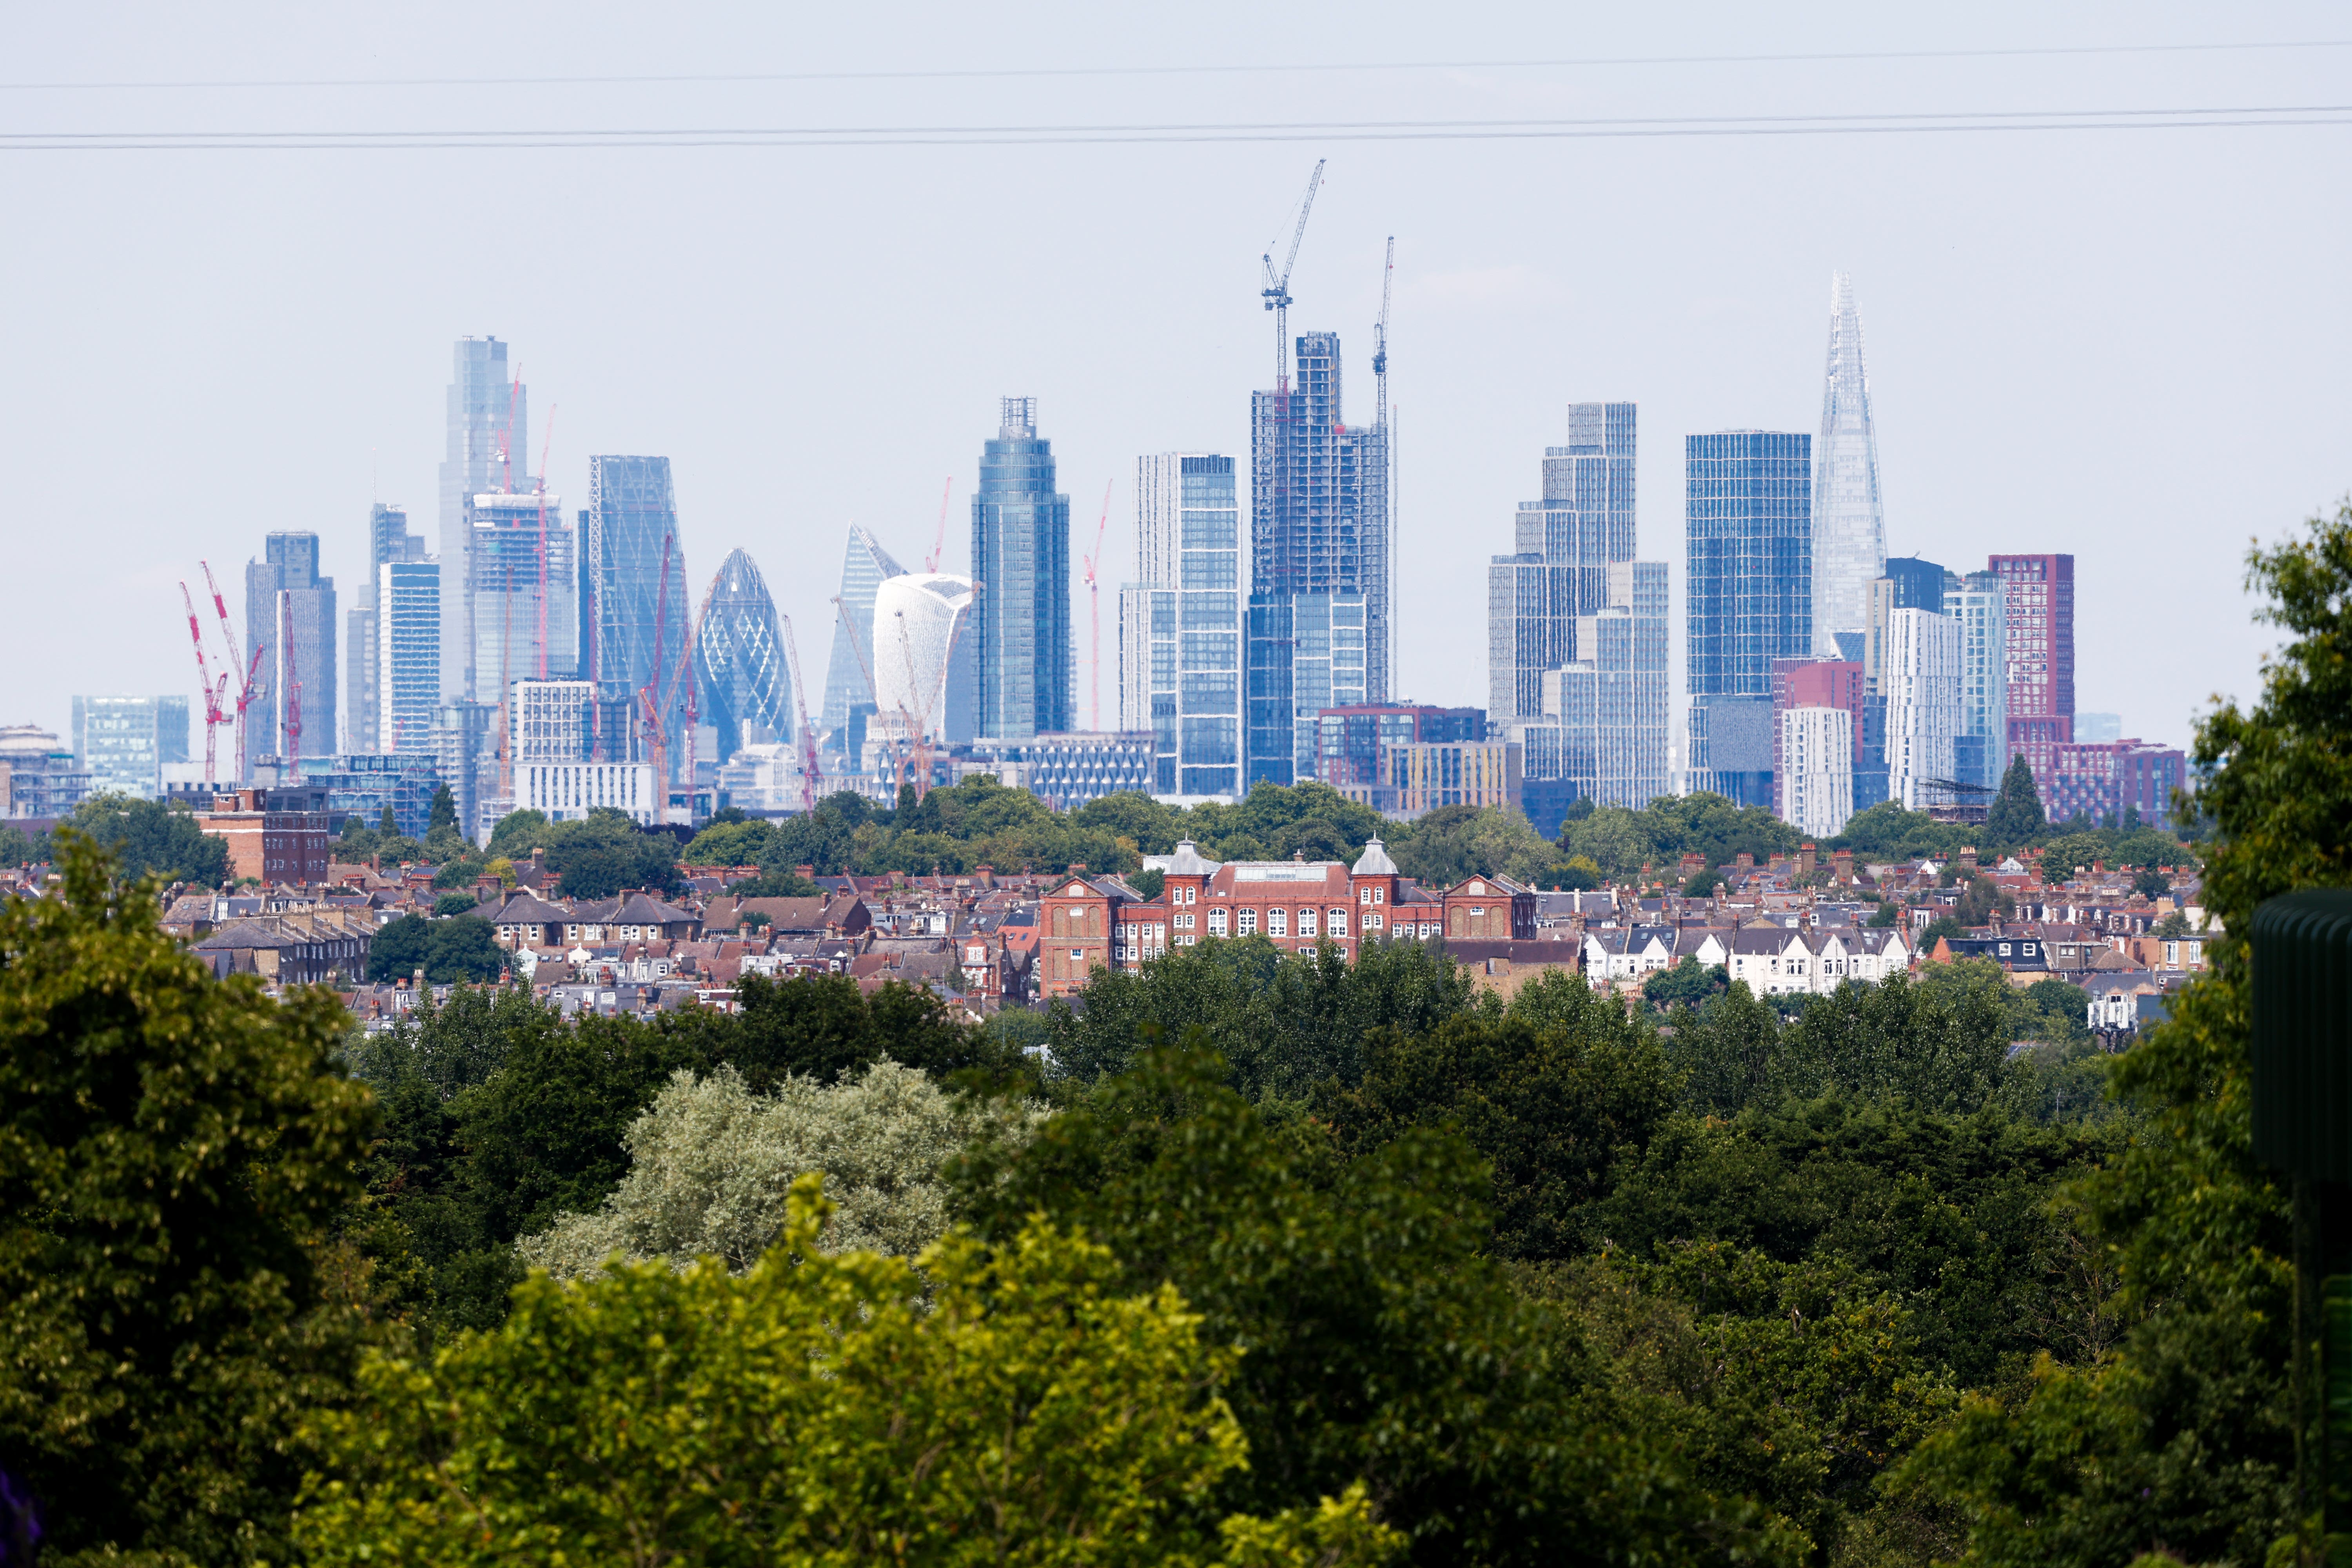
<point>1276,292</point>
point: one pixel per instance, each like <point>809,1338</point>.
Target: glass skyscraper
<point>289,619</point>
<point>746,693</point>
<point>388,541</point>
<point>1180,665</point>
<point>631,530</point>
<point>489,432</point>
<point>1747,507</point>
<point>407,644</point>
<point>523,602</point>
<point>1021,656</point>
<point>1849,530</point>
<point>1980,738</point>
<point>864,566</point>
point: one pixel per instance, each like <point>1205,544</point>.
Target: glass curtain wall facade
<point>862,567</point>
<point>1747,507</point>
<point>632,535</point>
<point>745,689</point>
<point>407,641</point>
<point>290,620</point>
<point>123,742</point>
<point>522,605</point>
<point>1022,673</point>
<point>1187,658</point>
<point>1611,704</point>
<point>1849,526</point>
<point>488,430</point>
<point>388,540</point>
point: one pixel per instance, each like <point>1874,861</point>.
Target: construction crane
<point>939,545</point>
<point>214,717</point>
<point>1380,342</point>
<point>811,774</point>
<point>543,446</point>
<point>293,690</point>
<point>506,437</point>
<point>649,716</point>
<point>1276,292</point>
<point>243,670</point>
<point>1094,599</point>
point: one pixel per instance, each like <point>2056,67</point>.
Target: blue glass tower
<point>739,660</point>
<point>1021,672</point>
<point>1749,515</point>
<point>631,528</point>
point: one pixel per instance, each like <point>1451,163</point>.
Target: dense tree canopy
<point>152,839</point>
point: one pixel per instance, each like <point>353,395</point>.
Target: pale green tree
<point>819,1409</point>
<point>711,1164</point>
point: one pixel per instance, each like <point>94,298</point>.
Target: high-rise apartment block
<point>1320,583</point>
<point>2038,602</point>
<point>406,643</point>
<point>1977,603</point>
<point>289,617</point>
<point>123,743</point>
<point>1921,683</point>
<point>488,430</point>
<point>1747,505</point>
<point>1811,683</point>
<point>1849,530</point>
<point>632,592</point>
<point>739,660</point>
<point>1814,779</point>
<point>1180,623</point>
<point>2103,781</point>
<point>388,541</point>
<point>1576,629</point>
<point>864,566</point>
<point>1024,679</point>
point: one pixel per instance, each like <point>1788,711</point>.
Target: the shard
<point>1849,530</point>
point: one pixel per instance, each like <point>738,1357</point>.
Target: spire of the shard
<point>1849,531</point>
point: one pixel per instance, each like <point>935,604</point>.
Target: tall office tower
<point>746,693</point>
<point>1977,603</point>
<point>864,566</point>
<point>489,434</point>
<point>1180,656</point>
<point>123,742</point>
<point>522,600</point>
<point>1021,671</point>
<point>407,644</point>
<point>633,594</point>
<point>1849,531</point>
<point>922,628</point>
<point>1814,779</point>
<point>1319,526</point>
<point>1748,496</point>
<point>1821,683</point>
<point>289,619</point>
<point>388,541</point>
<point>2038,599</point>
<point>1921,681</point>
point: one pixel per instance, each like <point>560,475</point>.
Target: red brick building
<point>272,847</point>
<point>1091,922</point>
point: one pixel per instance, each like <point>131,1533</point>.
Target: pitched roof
<point>637,908</point>
<point>1374,861</point>
<point>244,934</point>
<point>524,907</point>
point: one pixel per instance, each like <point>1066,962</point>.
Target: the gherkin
<point>744,690</point>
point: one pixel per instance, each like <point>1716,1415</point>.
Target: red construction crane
<point>939,545</point>
<point>214,717</point>
<point>649,717</point>
<point>812,775</point>
<point>239,668</point>
<point>293,692</point>
<point>1094,595</point>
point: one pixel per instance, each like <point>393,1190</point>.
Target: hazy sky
<point>2126,344</point>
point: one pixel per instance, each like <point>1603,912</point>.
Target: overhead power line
<point>1206,132</point>
<point>1585,62</point>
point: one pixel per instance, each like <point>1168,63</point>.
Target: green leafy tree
<point>2171,928</point>
<point>725,841</point>
<point>1687,984</point>
<point>2183,1437</point>
<point>444,812</point>
<point>1616,840</point>
<point>2015,818</point>
<point>464,947</point>
<point>1453,843</point>
<point>175,1153</point>
<point>399,948</point>
<point>517,834</point>
<point>779,883</point>
<point>15,848</point>
<point>1578,873</point>
<point>1731,1055</point>
<point>819,1408</point>
<point>605,852</point>
<point>1703,883</point>
<point>152,839</point>
<point>1382,1345</point>
<point>456,904</point>
<point>1148,881</point>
